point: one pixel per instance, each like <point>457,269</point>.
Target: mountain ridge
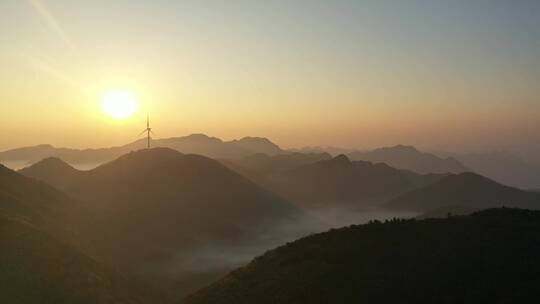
<point>343,182</point>
<point>465,192</point>
<point>410,158</point>
<point>196,143</point>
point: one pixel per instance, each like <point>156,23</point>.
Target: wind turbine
<point>148,130</point>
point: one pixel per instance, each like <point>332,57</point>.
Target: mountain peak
<point>53,163</point>
<point>341,159</point>
<point>465,191</point>
<point>255,139</point>
<point>471,179</point>
<point>48,166</point>
<point>48,146</point>
<point>201,137</point>
<point>52,169</point>
<point>258,145</point>
<point>145,155</point>
<point>404,148</point>
<point>410,158</point>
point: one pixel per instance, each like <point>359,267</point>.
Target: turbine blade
<point>141,133</point>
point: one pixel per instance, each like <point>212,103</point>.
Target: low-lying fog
<point>20,164</point>
<point>215,259</point>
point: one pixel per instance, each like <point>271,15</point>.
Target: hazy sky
<point>347,73</point>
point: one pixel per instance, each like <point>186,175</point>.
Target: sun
<point>119,104</point>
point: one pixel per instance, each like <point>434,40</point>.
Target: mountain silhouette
<point>409,158</point>
<point>464,193</point>
<point>334,151</point>
<point>192,144</point>
<point>38,268</point>
<point>34,202</point>
<point>52,170</point>
<point>40,261</point>
<point>258,145</point>
<point>264,164</point>
<point>487,257</point>
<point>503,167</point>
<point>31,153</point>
<point>342,181</point>
<point>152,206</point>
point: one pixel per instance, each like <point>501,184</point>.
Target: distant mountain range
<point>315,180</point>
<point>264,169</point>
<point>488,257</point>
<point>503,167</point>
<point>193,144</point>
<point>409,158</point>
<point>334,151</point>
<point>340,181</point>
<point>464,193</point>
<point>40,256</point>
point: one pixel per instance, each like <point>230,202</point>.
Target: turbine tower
<point>148,130</point>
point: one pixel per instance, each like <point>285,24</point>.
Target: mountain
<point>271,165</point>
<point>201,144</point>
<point>40,261</point>
<point>409,158</point>
<point>464,192</point>
<point>340,181</point>
<point>263,168</point>
<point>334,151</point>
<point>258,145</point>
<point>487,257</point>
<point>154,207</point>
<point>503,167</point>
<point>52,170</point>
<point>34,202</point>
<point>193,144</point>
<point>37,268</point>
<point>29,153</point>
<point>150,178</point>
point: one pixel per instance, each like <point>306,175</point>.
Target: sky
<point>343,73</point>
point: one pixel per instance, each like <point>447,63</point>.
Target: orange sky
<point>348,74</point>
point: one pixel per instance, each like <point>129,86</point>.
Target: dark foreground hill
<point>464,193</point>
<point>489,257</point>
<point>40,256</point>
<point>32,201</point>
<point>37,268</point>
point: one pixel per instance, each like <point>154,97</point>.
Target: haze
<point>346,73</point>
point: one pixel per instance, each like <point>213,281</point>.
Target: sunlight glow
<point>120,104</point>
